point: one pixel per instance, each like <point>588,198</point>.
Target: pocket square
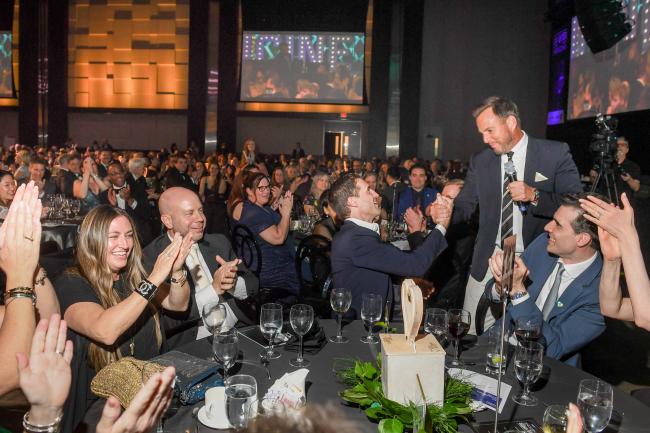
<point>539,177</point>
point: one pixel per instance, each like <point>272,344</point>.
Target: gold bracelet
<point>20,292</point>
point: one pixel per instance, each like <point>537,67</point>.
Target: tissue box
<point>400,364</point>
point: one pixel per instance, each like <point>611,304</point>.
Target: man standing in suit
<point>363,263</point>
<point>517,184</point>
<point>213,270</point>
<point>556,282</point>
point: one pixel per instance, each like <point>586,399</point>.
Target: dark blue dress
<point>278,261</point>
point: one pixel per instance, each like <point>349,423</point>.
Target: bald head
<point>181,212</point>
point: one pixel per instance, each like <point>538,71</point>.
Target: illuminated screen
<point>302,67</point>
<point>6,71</point>
<point>616,80</point>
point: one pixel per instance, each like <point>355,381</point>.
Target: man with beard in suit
<point>212,269</point>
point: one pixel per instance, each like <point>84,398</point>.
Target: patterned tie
<point>506,206</point>
<point>199,277</point>
<point>552,295</point>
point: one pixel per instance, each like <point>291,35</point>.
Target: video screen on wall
<point>317,67</point>
<point>613,81</point>
<point>6,70</point>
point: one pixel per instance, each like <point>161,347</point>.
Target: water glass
<point>495,359</point>
<point>371,309</point>
<point>340,300</point>
<point>241,399</point>
<point>225,349</point>
<point>436,322</point>
<point>301,317</point>
<point>555,419</point>
<point>271,324</point>
<point>529,360</point>
<point>459,323</point>
<point>213,314</point>
<point>596,402</point>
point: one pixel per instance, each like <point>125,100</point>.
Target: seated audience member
<point>177,175</point>
<point>7,191</point>
<point>88,188</point>
<point>19,250</point>
<point>391,191</point>
<point>132,200</point>
<point>214,272</point>
<point>210,184</point>
<point>109,305</point>
<point>619,244</point>
<point>135,176</point>
<point>418,194</point>
<point>69,171</point>
<point>105,159</point>
<point>37,167</point>
<point>556,281</point>
<point>22,165</point>
<point>46,376</point>
<point>271,230</point>
<point>360,260</point>
<point>327,226</point>
<point>320,183</point>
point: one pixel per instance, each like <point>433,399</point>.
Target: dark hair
<point>502,107</point>
<point>416,166</point>
<point>117,164</point>
<point>394,172</point>
<point>38,160</point>
<point>343,188</point>
<point>252,180</point>
<point>324,200</point>
<point>581,224</point>
<point>4,173</point>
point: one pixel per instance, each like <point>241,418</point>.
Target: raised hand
<point>440,210</point>
<point>165,261</point>
<point>609,246</point>
<point>286,204</point>
<point>618,222</point>
<point>146,408</point>
<point>414,219</point>
<point>45,375</point>
<point>225,277</point>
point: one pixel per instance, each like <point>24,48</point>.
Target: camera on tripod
<point>603,147</point>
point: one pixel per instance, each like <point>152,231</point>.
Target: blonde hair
<point>91,252</point>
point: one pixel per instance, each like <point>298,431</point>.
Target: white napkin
<point>290,389</point>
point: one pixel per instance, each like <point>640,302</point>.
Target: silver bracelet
<point>46,428</point>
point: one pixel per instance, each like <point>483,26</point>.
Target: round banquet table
<point>558,383</point>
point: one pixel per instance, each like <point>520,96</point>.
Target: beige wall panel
<point>182,13</point>
<point>180,87</point>
<point>81,99</point>
<point>165,78</point>
<point>182,41</point>
<point>165,101</point>
<point>142,27</point>
<point>181,56</point>
<point>143,11</point>
<point>122,55</point>
<point>144,87</point>
<point>166,27</point>
<point>180,102</point>
<point>80,70</point>
<point>123,85</point>
<point>121,71</point>
<point>80,85</point>
<point>96,71</point>
<point>140,70</point>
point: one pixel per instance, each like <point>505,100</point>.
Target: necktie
<point>552,295</point>
<point>199,276</point>
<point>506,206</point>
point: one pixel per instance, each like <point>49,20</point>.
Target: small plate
<point>220,423</point>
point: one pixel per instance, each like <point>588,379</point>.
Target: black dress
<point>138,341</point>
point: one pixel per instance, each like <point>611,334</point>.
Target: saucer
<point>220,423</point>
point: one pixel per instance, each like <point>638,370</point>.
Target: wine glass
<point>528,329</point>
<point>213,314</point>
<point>371,309</point>
<point>225,349</point>
<point>529,360</point>
<point>148,369</point>
<point>241,399</point>
<point>301,317</point>
<point>596,401</point>
<point>270,325</point>
<point>340,299</point>
<point>458,323</point>
<point>436,322</point>
<point>555,419</point>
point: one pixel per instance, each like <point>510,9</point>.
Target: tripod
<point>606,176</point>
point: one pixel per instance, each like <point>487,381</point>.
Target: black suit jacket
<point>141,214</point>
<point>183,328</point>
<point>173,177</point>
<point>547,159</point>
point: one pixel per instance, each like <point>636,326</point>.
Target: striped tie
<point>506,206</point>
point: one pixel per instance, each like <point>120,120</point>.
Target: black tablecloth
<point>61,235</point>
<point>559,383</point>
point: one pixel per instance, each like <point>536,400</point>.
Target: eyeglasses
<point>263,188</point>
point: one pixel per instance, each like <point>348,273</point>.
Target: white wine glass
<point>301,317</point>
<point>213,315</point>
<point>555,419</point>
<point>226,348</point>
<point>371,309</point>
<point>340,300</point>
<point>529,360</point>
<point>596,402</point>
<point>241,399</point>
<point>271,324</point>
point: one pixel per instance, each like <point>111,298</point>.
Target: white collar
<point>574,270</point>
<point>520,147</point>
<point>370,226</point>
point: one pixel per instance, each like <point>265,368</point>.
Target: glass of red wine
<point>458,322</point>
<point>528,329</point>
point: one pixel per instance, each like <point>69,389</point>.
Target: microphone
<point>509,168</point>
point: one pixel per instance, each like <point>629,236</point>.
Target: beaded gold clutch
<point>123,379</point>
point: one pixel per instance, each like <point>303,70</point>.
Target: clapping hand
<point>415,220</point>
<point>619,222</point>
<point>225,277</point>
<point>440,210</point>
<point>286,204</point>
<point>520,272</point>
<point>45,375</point>
<point>166,260</point>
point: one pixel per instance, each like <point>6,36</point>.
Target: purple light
<point>555,117</point>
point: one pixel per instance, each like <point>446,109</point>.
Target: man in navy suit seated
<point>556,281</point>
<point>363,263</point>
<point>417,195</point>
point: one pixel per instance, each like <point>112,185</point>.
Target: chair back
<point>247,248</point>
<point>314,254</point>
<point>485,305</point>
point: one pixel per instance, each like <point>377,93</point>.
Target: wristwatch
<point>146,289</point>
<point>535,199</point>
<point>518,295</point>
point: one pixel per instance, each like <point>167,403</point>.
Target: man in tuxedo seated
<point>69,171</point>
<point>555,281</point>
<point>105,159</point>
<point>178,176</point>
<point>417,194</point>
<point>37,174</point>
<point>363,263</point>
<point>133,201</point>
<point>213,270</point>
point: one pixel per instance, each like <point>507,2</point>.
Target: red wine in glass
<point>459,323</point>
<point>527,335</point>
<point>458,329</point>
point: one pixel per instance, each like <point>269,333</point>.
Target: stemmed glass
<point>458,323</point>
<point>301,317</point>
<point>596,401</point>
<point>528,329</point>
<point>213,314</point>
<point>270,324</point>
<point>436,322</point>
<point>529,360</point>
<point>340,299</point>
<point>241,399</point>
<point>371,309</point>
<point>225,349</point>
<point>555,419</point>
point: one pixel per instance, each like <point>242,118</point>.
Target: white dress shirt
<point>375,227</point>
